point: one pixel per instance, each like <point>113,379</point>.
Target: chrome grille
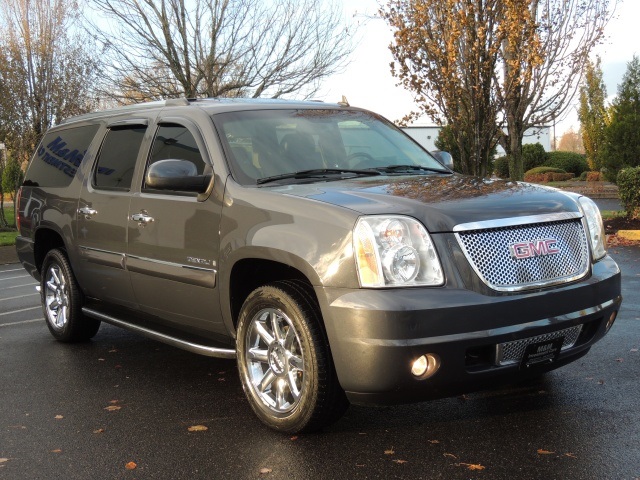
<point>488,251</point>
<point>510,353</point>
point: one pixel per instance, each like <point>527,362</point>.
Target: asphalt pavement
<point>121,406</point>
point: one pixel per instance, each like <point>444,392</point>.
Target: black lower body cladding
<point>376,335</point>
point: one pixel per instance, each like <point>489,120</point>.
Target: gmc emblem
<point>537,248</point>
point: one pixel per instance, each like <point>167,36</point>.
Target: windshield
<point>268,144</point>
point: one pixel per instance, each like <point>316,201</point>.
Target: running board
<point>161,337</point>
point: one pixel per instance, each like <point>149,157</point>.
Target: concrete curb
<point>629,234</point>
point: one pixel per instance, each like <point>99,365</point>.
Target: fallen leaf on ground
<point>131,466</point>
<point>600,382</point>
<point>198,428</point>
<point>434,441</point>
<point>222,379</point>
<point>450,455</point>
<point>101,359</point>
<point>264,471</point>
<point>472,466</point>
<point>360,465</point>
<point>112,408</point>
<point>99,430</point>
<point>295,437</point>
<point>389,452</point>
<point>544,452</point>
<point>570,455</point>
<point>57,450</point>
<point>113,402</point>
<point>399,462</point>
<point>634,349</point>
<point>619,360</point>
<point>3,460</point>
<point>113,351</point>
<point>58,417</point>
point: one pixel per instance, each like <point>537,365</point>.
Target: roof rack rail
<point>177,102</point>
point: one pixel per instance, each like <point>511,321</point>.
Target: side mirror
<point>444,158</point>
<point>179,175</point>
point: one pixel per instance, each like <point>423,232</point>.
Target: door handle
<point>142,218</point>
<point>88,212</point>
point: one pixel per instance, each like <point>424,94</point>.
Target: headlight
<point>395,251</point>
<point>595,226</point>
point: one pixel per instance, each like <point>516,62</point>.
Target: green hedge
<point>501,167</point>
<point>537,170</point>
<point>568,161</point>
<point>533,155</point>
<point>628,181</point>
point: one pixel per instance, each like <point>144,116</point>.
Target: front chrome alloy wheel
<point>56,297</point>
<point>274,361</point>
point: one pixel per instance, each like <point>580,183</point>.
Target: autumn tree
<point>622,146</point>
<point>571,141</point>
<point>446,53</point>
<point>219,48</point>
<point>46,71</point>
<point>593,113</point>
<point>542,49</point>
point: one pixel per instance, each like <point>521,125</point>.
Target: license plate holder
<point>542,353</point>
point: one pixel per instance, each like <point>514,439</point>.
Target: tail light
<point>16,207</point>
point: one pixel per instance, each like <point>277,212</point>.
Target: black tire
<point>62,301</point>
<point>300,390</point>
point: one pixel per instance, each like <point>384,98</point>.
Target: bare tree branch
<point>216,48</point>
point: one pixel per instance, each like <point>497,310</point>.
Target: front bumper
<point>376,335</point>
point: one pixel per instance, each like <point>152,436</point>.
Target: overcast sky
<point>367,81</point>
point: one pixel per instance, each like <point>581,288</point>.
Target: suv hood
<point>440,202</point>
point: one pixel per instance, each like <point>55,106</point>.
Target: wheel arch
<point>250,273</point>
<point>46,239</point>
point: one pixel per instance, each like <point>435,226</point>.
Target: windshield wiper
<point>316,172</point>
<point>408,168</point>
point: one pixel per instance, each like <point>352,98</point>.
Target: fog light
<point>612,319</point>
<point>425,366</point>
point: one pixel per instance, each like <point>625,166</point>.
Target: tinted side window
<point>176,142</point>
<point>58,157</point>
<point>117,158</point>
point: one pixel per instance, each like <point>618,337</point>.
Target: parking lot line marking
<point>21,322</point>
<point>19,296</point>
<point>11,278</point>
<point>19,311</point>
<point>12,270</point>
<point>18,286</point>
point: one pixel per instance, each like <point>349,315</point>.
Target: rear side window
<point>117,158</point>
<point>58,157</point>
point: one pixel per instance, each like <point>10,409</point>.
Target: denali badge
<point>537,248</point>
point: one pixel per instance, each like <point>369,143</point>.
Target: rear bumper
<point>376,335</point>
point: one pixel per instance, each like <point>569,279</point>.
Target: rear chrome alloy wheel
<point>56,297</point>
<point>62,300</point>
<point>274,361</point>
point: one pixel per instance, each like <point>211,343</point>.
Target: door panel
<point>103,217</point>
<point>173,242</point>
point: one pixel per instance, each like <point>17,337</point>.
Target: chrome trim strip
<point>176,342</point>
<point>172,264</point>
<point>559,321</point>
<point>99,250</point>
<point>514,221</point>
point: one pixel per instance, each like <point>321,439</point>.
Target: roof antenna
<point>344,102</point>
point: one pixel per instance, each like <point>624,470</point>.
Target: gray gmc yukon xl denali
<point>316,243</point>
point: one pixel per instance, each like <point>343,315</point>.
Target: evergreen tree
<point>622,147</point>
